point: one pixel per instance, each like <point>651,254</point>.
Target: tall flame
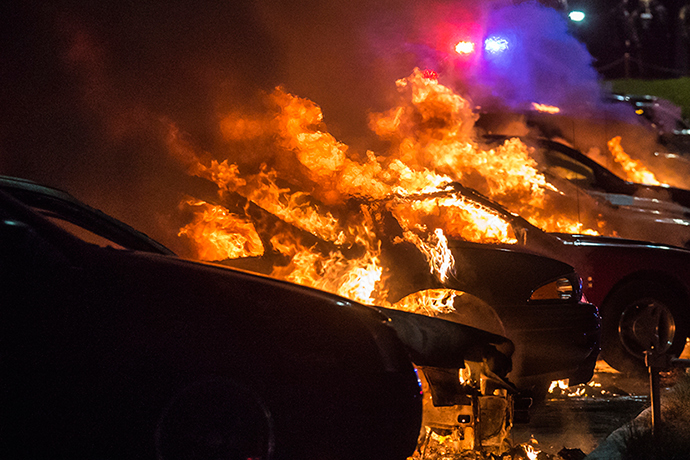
<point>315,184</point>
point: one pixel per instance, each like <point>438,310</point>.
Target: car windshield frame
<point>50,204</point>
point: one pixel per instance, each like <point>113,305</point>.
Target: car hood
<point>199,292</point>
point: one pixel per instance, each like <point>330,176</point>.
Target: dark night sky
<point>661,44</point>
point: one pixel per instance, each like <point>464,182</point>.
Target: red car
<point>642,289</point>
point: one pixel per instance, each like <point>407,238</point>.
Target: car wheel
<point>215,419</point>
<point>637,317</point>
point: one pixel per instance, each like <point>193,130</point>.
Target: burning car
<point>644,210</point>
<point>535,301</point>
<point>288,199</point>
<point>642,289</point>
<point>112,347</point>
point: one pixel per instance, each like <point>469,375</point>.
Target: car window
<point>565,167</point>
<point>80,232</point>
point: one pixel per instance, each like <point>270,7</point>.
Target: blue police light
<point>576,16</point>
<point>496,44</point>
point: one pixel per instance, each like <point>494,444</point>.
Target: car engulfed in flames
<point>373,228</point>
<point>535,301</point>
<point>386,229</point>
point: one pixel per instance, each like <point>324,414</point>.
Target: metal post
<point>652,361</point>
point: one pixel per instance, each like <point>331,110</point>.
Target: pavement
<point>582,417</point>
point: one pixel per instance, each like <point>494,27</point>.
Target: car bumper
<point>553,342</point>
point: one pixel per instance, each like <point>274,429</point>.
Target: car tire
<point>637,316</point>
<point>215,419</point>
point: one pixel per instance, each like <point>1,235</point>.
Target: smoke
<point>542,62</point>
<point>90,88</point>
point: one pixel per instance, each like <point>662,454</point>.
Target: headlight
<point>562,289</point>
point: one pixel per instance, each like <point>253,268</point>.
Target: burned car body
<point>498,290</point>
<point>642,289</point>
<point>112,347</point>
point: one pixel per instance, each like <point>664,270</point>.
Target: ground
<point>584,422</point>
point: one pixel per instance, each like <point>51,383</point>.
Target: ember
<point>545,108</point>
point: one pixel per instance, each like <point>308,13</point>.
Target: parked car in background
<point>642,289</point>
<point>661,115</point>
<point>654,213</point>
<point>113,348</point>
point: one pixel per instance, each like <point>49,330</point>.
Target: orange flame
<point>636,171</point>
<point>356,279</point>
<point>227,235</point>
<point>308,176</point>
<point>430,302</point>
<point>532,449</point>
<point>436,251</point>
<point>545,108</point>
<point>458,217</point>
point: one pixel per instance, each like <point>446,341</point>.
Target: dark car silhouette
<point>113,348</point>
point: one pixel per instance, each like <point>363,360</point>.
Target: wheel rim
<point>646,325</point>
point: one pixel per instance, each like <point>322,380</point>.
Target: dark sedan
<point>113,348</point>
<point>642,289</point>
